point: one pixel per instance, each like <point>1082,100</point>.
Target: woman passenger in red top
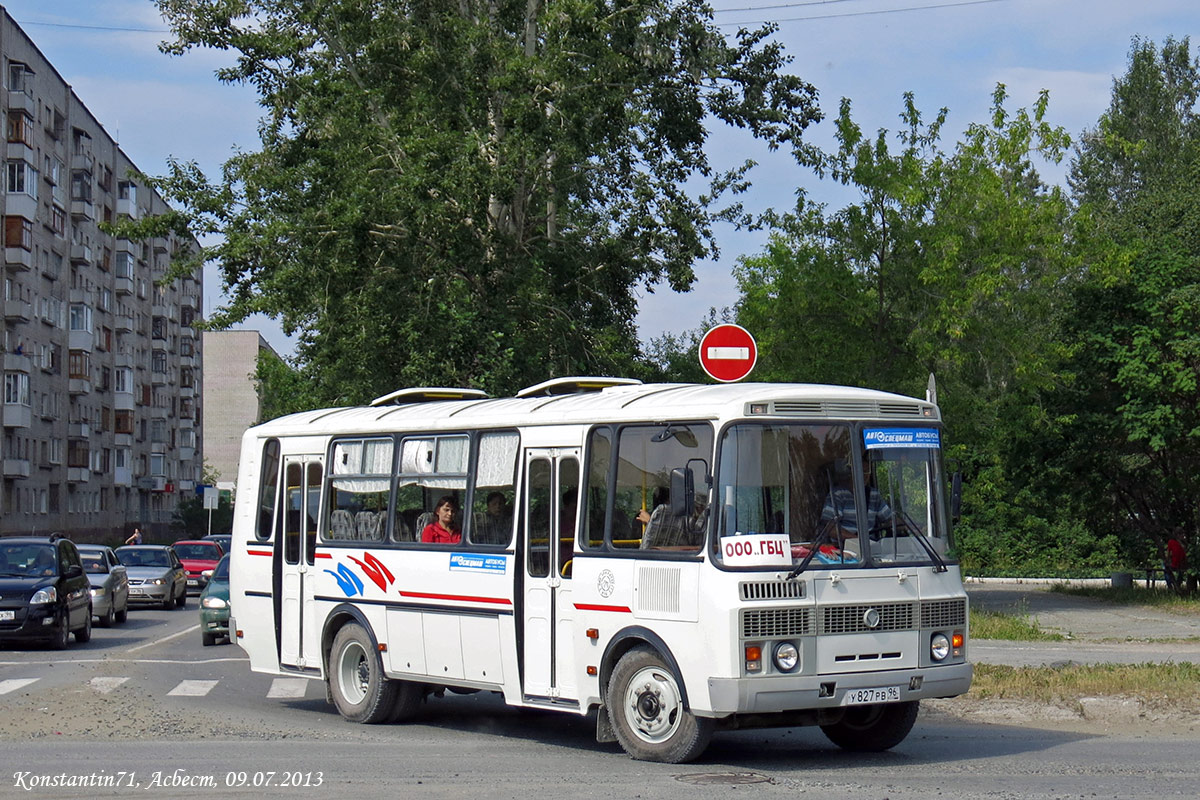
<point>445,528</point>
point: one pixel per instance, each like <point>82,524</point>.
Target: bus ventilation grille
<point>772,590</point>
<point>817,408</point>
<point>853,619</point>
<point>770,623</point>
<point>944,613</point>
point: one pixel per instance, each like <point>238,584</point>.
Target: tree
<point>465,193</point>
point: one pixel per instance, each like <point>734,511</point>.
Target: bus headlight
<point>939,647</point>
<point>786,656</point>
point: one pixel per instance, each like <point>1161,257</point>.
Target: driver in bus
<point>839,514</point>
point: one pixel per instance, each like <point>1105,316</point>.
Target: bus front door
<point>296,623</point>
<point>551,513</point>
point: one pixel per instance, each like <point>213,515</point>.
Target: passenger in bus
<point>667,530</point>
<point>445,528</point>
<point>566,525</point>
<point>496,527</point>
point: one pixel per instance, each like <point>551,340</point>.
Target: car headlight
<point>939,647</point>
<point>158,581</point>
<point>786,656</point>
<point>98,591</point>
<point>214,602</point>
<point>47,595</point>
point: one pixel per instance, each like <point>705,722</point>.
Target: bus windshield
<point>808,493</point>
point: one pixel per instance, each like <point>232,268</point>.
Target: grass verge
<point>1015,627</point>
<point>1154,684</point>
<point>1135,596</point>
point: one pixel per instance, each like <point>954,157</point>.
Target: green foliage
<point>191,519</point>
<point>466,193</point>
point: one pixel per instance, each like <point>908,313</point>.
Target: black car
<point>44,592</point>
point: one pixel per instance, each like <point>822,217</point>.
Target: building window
<point>124,264</point>
<point>127,190</point>
<point>158,361</point>
<point>81,186</point>
<point>123,380</point>
<point>20,78</point>
<point>80,365</point>
<point>123,422</point>
<point>58,221</point>
<point>18,232</point>
<point>78,453</point>
<point>16,389</point>
<point>21,178</point>
<point>20,128</point>
<point>80,317</point>
<point>158,464</point>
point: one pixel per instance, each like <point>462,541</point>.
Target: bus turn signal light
<point>753,658</point>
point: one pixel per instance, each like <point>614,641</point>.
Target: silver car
<point>156,574</point>
<point>110,584</point>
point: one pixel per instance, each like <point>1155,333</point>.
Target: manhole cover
<point>723,778</point>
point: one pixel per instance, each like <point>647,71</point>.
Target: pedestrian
<point>1175,563</point>
<point>135,537</point>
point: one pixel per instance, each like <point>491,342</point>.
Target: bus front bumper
<point>770,694</point>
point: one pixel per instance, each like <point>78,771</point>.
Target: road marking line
<point>288,687</point>
<point>176,635</point>
<point>63,661</point>
<point>192,689</point>
<point>12,684</point>
<point>106,685</point>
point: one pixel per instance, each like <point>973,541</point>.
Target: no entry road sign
<point>728,353</point>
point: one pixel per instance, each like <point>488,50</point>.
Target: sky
<point>949,53</point>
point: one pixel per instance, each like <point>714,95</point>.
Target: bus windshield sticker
<point>475,562</point>
<point>877,438</point>
<point>757,550</point>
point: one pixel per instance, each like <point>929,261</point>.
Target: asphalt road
<point>146,702</point>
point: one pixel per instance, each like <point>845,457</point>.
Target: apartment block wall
<point>101,362</point>
<point>231,402</point>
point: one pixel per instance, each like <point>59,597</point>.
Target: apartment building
<point>231,402</point>
<point>101,362</point>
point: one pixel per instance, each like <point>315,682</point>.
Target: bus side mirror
<point>956,497</point>
<point>683,491</point>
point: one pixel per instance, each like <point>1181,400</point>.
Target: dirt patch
<point>1095,715</point>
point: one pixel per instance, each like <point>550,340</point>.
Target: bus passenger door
<point>551,514</point>
<point>296,624</point>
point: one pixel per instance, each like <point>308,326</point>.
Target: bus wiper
<point>822,534</point>
<point>938,562</point>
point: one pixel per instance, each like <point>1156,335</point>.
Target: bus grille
<point>944,613</point>
<point>853,619</point>
<point>771,590</point>
<point>769,623</point>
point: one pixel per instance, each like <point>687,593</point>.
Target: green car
<point>214,604</point>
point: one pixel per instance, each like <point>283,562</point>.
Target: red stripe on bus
<point>590,607</point>
<point>324,555</point>
<point>463,598</point>
<point>259,553</point>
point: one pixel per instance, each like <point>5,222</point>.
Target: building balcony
<point>122,476</point>
<point>187,361</point>
<point>81,254</point>
<point>18,258</point>
<point>124,401</point>
<point>83,210</point>
<point>187,391</point>
<point>158,309</point>
<point>18,99</point>
<point>83,158</point>
<point>158,447</point>
<point>19,204</point>
<point>19,151</point>
<point>17,416</point>
<point>187,486</point>
<point>17,311</point>
<point>82,340</point>
<point>18,363</point>
<point>123,440</point>
<point>123,285</point>
<point>158,412</point>
<point>79,386</point>
<point>79,430</point>
<point>16,468</point>
<point>185,423</point>
<point>50,269</point>
<point>129,208</point>
<point>159,378</point>
<point>159,483</point>
<point>78,474</point>
<point>124,324</point>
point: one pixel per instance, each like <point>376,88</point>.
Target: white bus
<point>677,558</point>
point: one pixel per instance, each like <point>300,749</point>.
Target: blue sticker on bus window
<point>875,438</point>
<point>478,562</point>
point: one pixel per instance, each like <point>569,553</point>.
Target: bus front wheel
<point>648,713</point>
<point>871,729</point>
<point>356,681</point>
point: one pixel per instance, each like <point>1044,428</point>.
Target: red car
<point>198,557</point>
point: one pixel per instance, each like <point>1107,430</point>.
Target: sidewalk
<point>1097,632</point>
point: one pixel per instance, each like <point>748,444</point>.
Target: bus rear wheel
<point>356,681</point>
<point>871,729</point>
<point>649,717</point>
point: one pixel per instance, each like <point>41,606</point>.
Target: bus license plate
<point>858,697</point>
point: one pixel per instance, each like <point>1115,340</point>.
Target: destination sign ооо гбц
<point>874,438</point>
